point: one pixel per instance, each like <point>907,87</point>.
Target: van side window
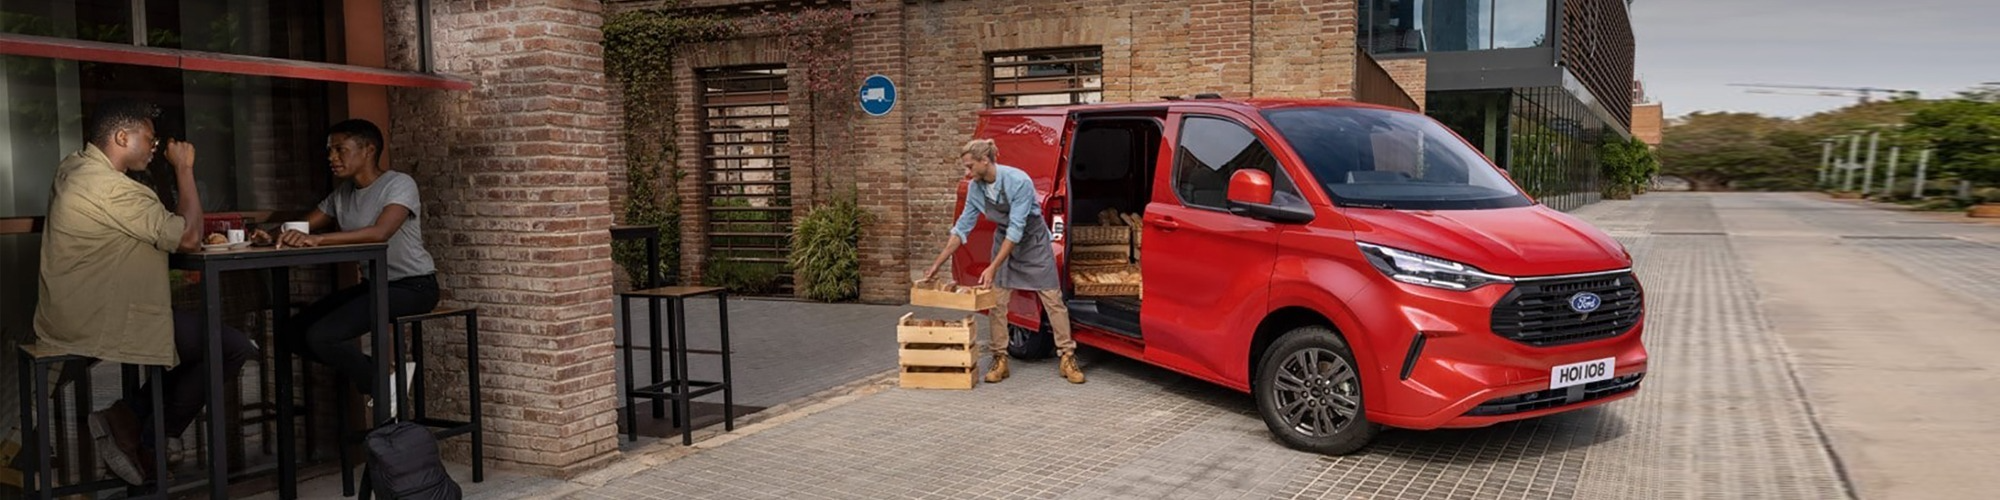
<point>1212,149</point>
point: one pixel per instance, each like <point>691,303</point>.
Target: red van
<point>1351,266</point>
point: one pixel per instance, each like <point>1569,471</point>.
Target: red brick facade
<point>515,178</point>
<point>935,51</point>
<point>1411,74</point>
<point>521,173</point>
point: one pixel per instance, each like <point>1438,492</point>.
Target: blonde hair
<point>981,148</point>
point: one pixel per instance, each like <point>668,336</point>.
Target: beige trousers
<point>1052,302</point>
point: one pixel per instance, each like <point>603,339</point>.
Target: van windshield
<point>1386,159</point>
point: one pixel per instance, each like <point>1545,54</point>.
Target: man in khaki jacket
<point>104,291</point>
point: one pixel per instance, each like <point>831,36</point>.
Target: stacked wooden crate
<point>936,354</point>
<point>939,354</point>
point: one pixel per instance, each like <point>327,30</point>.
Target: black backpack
<point>1023,343</point>
<point>403,462</point>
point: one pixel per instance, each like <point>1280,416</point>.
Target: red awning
<point>80,50</point>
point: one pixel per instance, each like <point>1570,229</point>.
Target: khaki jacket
<point>104,290</point>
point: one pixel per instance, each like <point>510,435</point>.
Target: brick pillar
<point>883,178</point>
<point>517,208</point>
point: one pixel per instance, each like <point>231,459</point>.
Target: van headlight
<point>1419,269</point>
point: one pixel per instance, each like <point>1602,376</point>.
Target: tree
<point>1718,151</point>
<point>1627,166</point>
<point>1966,135</point>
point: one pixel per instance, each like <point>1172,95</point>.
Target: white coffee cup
<point>236,236</point>
<point>300,226</point>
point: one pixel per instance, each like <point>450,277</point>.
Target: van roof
<point>1252,105</point>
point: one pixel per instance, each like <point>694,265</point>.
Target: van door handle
<point>1166,223</point>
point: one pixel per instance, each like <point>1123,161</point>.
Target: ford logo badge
<point>1585,302</point>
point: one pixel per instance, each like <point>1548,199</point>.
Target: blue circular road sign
<point>878,95</point>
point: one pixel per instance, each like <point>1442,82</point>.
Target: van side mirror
<point>1250,186</point>
<point>1250,195</point>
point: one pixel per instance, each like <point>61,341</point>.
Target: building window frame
<point>1077,70</point>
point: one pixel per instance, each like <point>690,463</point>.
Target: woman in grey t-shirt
<point>371,205</point>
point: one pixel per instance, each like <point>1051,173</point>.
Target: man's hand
<point>181,156</point>
<point>932,273</point>
<point>298,239</point>
<point>986,278</point>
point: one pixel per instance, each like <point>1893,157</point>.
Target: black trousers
<point>186,389</point>
<point>325,331</point>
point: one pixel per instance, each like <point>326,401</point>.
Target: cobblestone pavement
<point>1721,416</point>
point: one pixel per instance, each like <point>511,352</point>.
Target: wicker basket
<point>1100,235</point>
<point>1105,289</point>
<point>1100,256</point>
<point>1121,290</point>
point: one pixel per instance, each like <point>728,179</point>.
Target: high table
<point>211,265</point>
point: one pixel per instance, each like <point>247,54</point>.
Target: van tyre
<point>1309,393</point>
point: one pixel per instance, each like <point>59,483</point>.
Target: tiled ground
<point>1720,417</point>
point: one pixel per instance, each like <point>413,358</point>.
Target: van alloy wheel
<point>1317,392</point>
<point>1310,394</point>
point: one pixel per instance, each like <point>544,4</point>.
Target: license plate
<point>1580,373</point>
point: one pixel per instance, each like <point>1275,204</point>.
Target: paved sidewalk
<point>1721,416</point>
<point>1884,318</point>
<point>1892,318</point>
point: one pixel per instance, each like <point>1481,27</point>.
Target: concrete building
<point>1536,84</point>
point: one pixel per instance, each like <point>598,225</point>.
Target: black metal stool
<point>679,389</point>
<point>414,397</point>
<point>38,425</point>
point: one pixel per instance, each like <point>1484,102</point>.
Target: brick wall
<point>1410,74</point>
<point>904,166</point>
<point>1648,121</point>
<point>515,181</point>
<point>1302,49</point>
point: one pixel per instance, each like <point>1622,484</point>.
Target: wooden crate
<point>936,354</point>
<point>946,296</point>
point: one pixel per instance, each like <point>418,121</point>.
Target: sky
<point>1689,51</point>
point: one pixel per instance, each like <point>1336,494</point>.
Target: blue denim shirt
<point>1010,186</point>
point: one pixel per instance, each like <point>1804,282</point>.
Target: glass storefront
<point>258,140</point>
<point>285,29</point>
<point>1546,139</point>
<point>1412,26</point>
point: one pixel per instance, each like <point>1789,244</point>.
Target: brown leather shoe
<point>116,430</point>
<point>999,370</point>
<point>1068,368</point>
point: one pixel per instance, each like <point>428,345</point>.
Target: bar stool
<point>38,425</point>
<point>415,396</point>
<point>679,389</point>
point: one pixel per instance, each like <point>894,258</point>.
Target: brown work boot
<point>1068,368</point>
<point>999,370</point>
<point>116,430</point>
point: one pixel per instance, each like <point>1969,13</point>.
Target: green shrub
<point>751,278</point>
<point>826,255</point>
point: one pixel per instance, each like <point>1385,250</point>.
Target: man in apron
<point>1023,258</point>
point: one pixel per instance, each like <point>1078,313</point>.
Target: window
<point>747,170</point>
<point>290,29</point>
<point>1408,26</point>
<point>1045,77</point>
<point>1212,149</point>
<point>1389,159</point>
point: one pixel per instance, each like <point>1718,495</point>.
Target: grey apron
<point>1033,264</point>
